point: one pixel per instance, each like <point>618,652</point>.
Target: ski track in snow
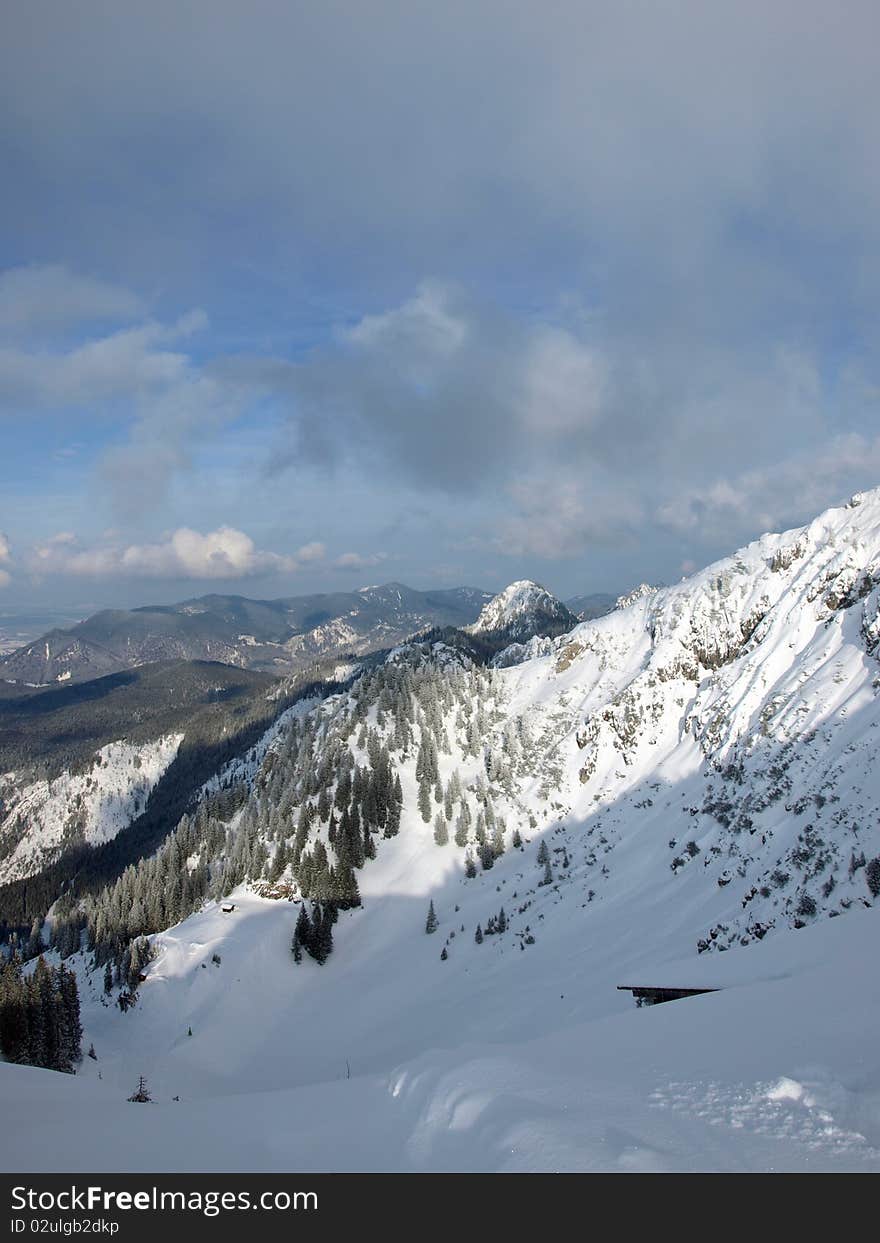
<point>784,1110</point>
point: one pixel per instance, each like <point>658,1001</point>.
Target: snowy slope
<point>699,766</point>
<point>779,1071</point>
<point>42,818</point>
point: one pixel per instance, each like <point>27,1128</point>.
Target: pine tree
<point>441,832</point>
<point>872,876</point>
<point>44,1018</point>
<point>478,935</point>
<point>35,945</point>
<point>425,800</point>
<point>392,824</point>
<point>70,1038</point>
<point>302,934</point>
<point>369,844</point>
<point>141,1093</point>
<point>431,923</point>
<point>462,825</point>
<point>321,946</point>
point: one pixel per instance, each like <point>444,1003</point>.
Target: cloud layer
<point>184,554</point>
<point>5,561</point>
<point>508,287</point>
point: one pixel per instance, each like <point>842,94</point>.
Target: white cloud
<point>311,552</point>
<point>355,561</point>
<point>128,364</point>
<point>184,554</point>
<point>40,296</point>
<point>425,328</point>
<point>560,516</point>
<point>5,560</point>
<point>776,496</point>
<point>564,383</point>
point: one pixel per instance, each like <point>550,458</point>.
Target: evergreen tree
<point>321,946</point>
<point>872,876</point>
<point>431,923</point>
<point>478,935</point>
<point>302,933</point>
<point>70,1040</point>
<point>441,832</point>
<point>462,825</point>
<point>141,1093</point>
<point>425,800</point>
<point>35,945</point>
<point>392,825</point>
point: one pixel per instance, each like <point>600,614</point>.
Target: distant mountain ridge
<point>589,607</point>
<point>281,636</point>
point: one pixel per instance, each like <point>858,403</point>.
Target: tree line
<point>39,1015</point>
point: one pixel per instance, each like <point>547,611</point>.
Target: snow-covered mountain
<point>276,636</point>
<point>683,793</point>
<point>86,807</point>
<point>82,763</point>
<point>521,610</point>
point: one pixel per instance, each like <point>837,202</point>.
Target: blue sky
<point>295,297</point>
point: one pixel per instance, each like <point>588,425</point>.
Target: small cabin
<point>650,995</point>
<point>227,907</point>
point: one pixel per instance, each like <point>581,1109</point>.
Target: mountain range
<point>277,636</point>
<point>282,636</point>
<point>419,896</point>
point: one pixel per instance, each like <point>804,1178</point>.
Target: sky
<point>297,296</point>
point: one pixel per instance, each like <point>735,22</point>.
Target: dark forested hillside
<point>221,712</point>
<point>50,730</point>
